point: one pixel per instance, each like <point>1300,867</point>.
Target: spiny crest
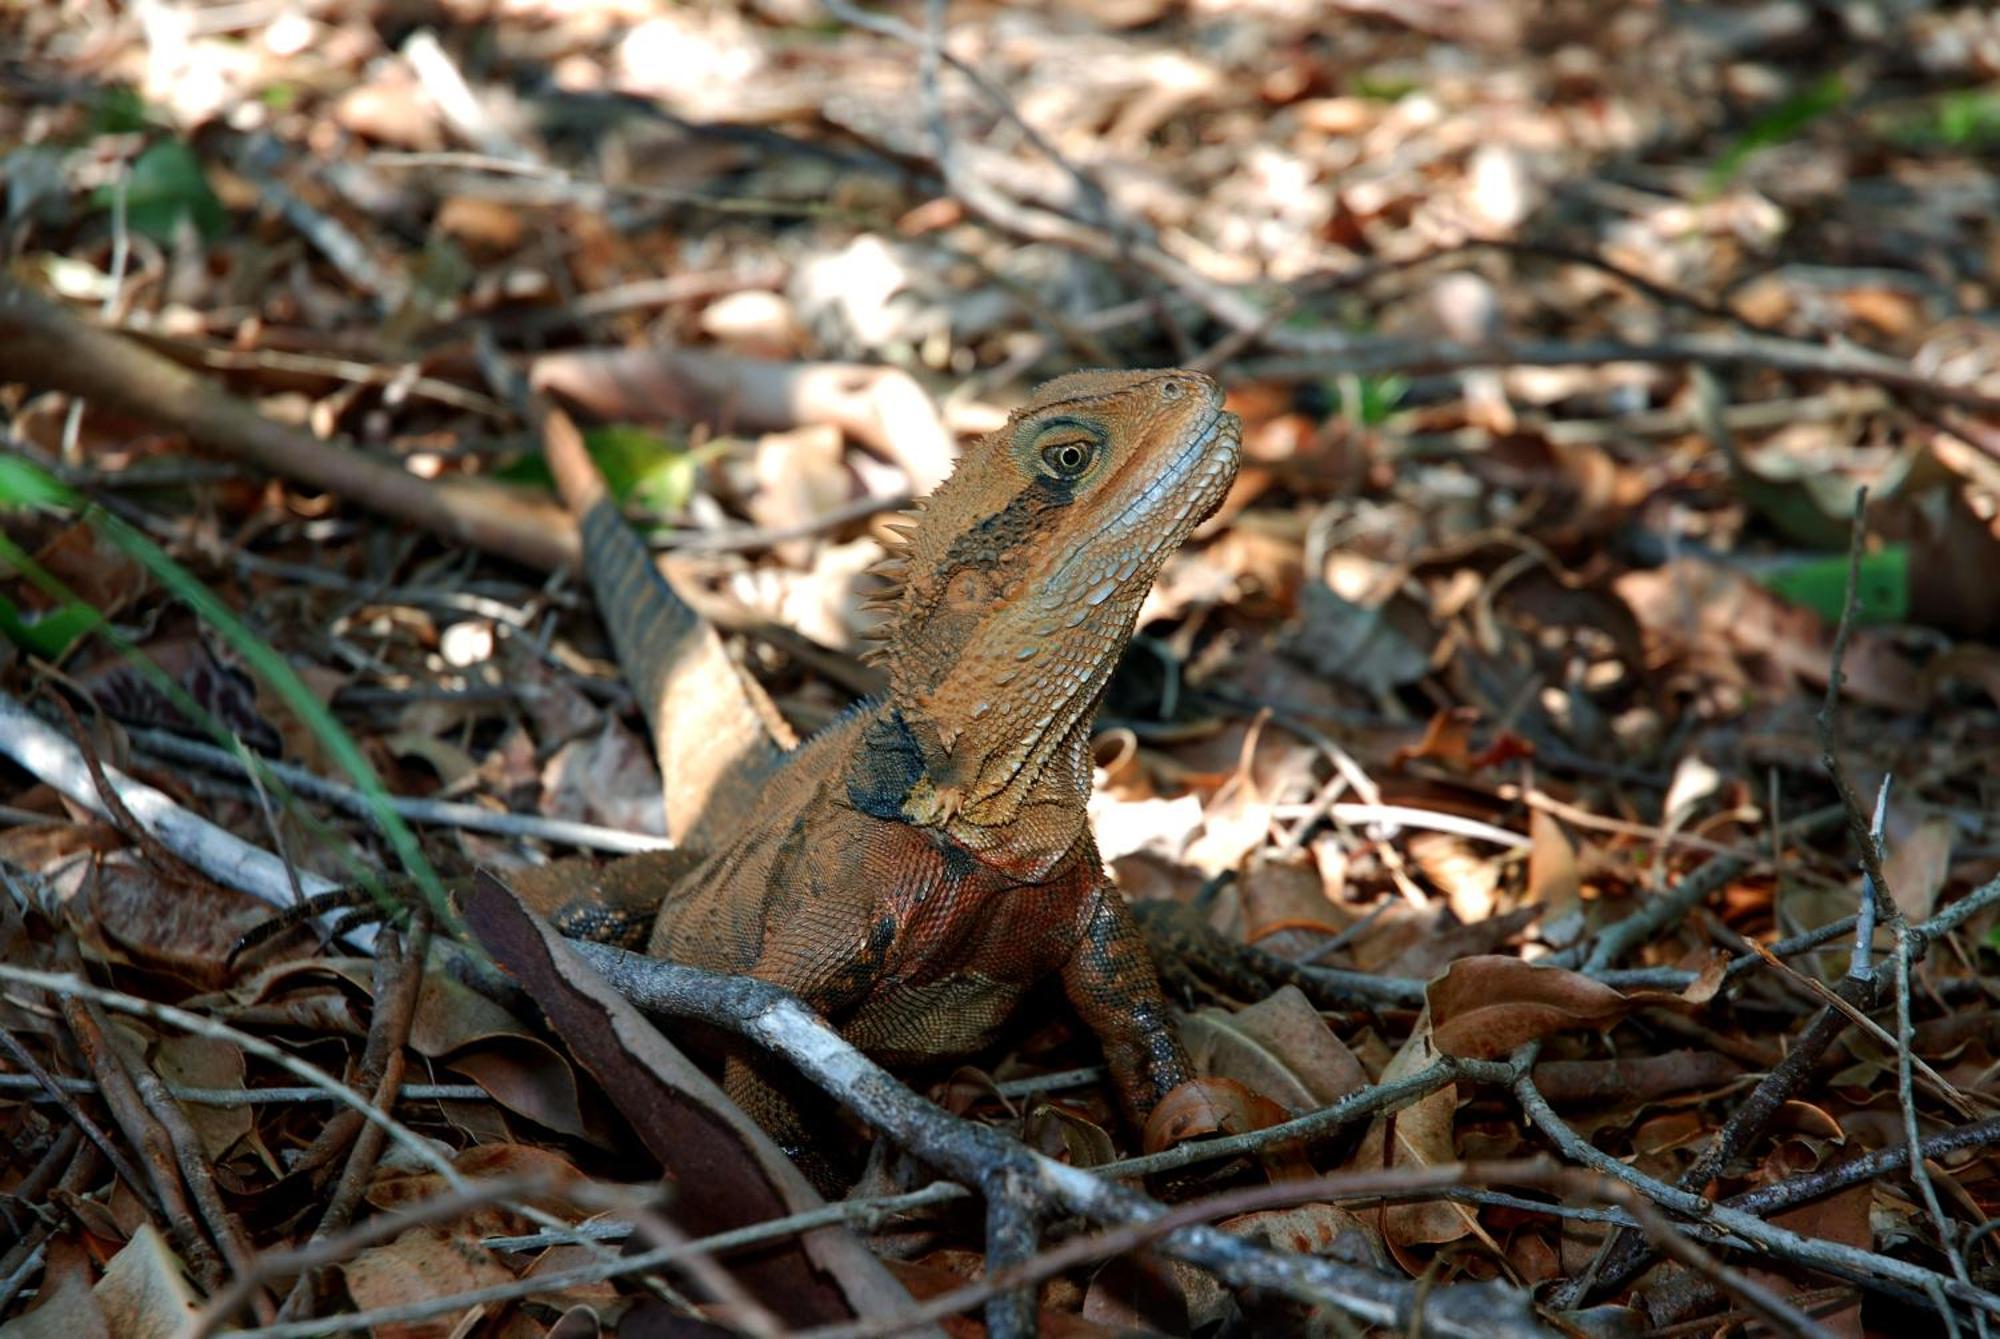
<point>886,574</point>
<point>882,582</point>
<point>919,538</point>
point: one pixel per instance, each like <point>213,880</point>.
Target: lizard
<point>913,868</point>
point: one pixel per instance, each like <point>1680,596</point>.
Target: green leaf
<point>48,634</point>
<point>165,185</point>
<point>118,110</point>
<point>1374,399</point>
<point>25,485</point>
<point>1965,118</point>
<point>1969,118</point>
<point>1381,86</point>
<point>1881,590</point>
<point>1782,123</point>
<point>640,467</point>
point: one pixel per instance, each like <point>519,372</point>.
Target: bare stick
<point>252,1097</point>
<point>399,974</point>
<point>1619,1261</point>
<point>1920,1174</point>
<point>90,1031</point>
<point>65,986</point>
<point>227,859</point>
<point>1834,1257</point>
<point>1828,723</point>
<point>46,346</point>
<point>79,1118</point>
<point>444,813</point>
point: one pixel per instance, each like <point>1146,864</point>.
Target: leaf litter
<point>1563,342</point>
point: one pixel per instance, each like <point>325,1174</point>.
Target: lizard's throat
<point>984,766</point>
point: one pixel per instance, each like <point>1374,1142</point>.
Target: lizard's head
<point>1024,575</point>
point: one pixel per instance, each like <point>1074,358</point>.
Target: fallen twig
<point>46,346</point>
<point>1835,1257</point>
<point>227,859</point>
<point>442,813</point>
<point>399,974</point>
<point>1408,357</point>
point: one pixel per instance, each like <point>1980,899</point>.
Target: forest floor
<point>1536,666</point>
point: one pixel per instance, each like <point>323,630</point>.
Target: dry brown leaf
<point>1484,1007</point>
<point>1285,890</point>
<point>1204,1106</point>
<point>1279,1047</point>
<point>881,407</point>
<point>1917,865</point>
<point>416,1266</point>
<point>186,928</point>
<point>1312,1229</point>
<point>1136,1294</point>
<point>1555,883</point>
<point>205,1062</point>
<point>1464,869</point>
<point>1067,1137</point>
<point>608,778</point>
<point>1376,649</point>
<point>65,1305</point>
<point>1418,1136</point>
<point>144,1292</point>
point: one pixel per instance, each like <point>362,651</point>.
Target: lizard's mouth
<point>1213,443</point>
<point>1223,435</point>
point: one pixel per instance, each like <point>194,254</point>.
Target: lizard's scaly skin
<point>914,868</point>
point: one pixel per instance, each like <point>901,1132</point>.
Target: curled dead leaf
<point>1279,1046</point>
<point>1484,1007</point>
<point>1206,1106</point>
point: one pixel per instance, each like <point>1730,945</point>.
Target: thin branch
<point>1361,356</point>
<point>774,1020</point>
<point>1828,724</point>
<point>78,1117</point>
<point>48,347</point>
<point>398,978</point>
<point>222,856</point>
<point>442,813</point>
<point>1920,1175</point>
<point>419,1149</point>
<point>246,1097</point>
<point>1834,1257</point>
<point>1658,913</point>
<point>582,1275</point>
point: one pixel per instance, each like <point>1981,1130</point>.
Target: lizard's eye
<point>1068,457</point>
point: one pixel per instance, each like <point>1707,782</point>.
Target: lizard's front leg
<point>1111,981</point>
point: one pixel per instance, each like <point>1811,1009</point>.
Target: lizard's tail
<point>716,733</point>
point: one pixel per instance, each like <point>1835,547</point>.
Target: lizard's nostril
<point>1171,390</point>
